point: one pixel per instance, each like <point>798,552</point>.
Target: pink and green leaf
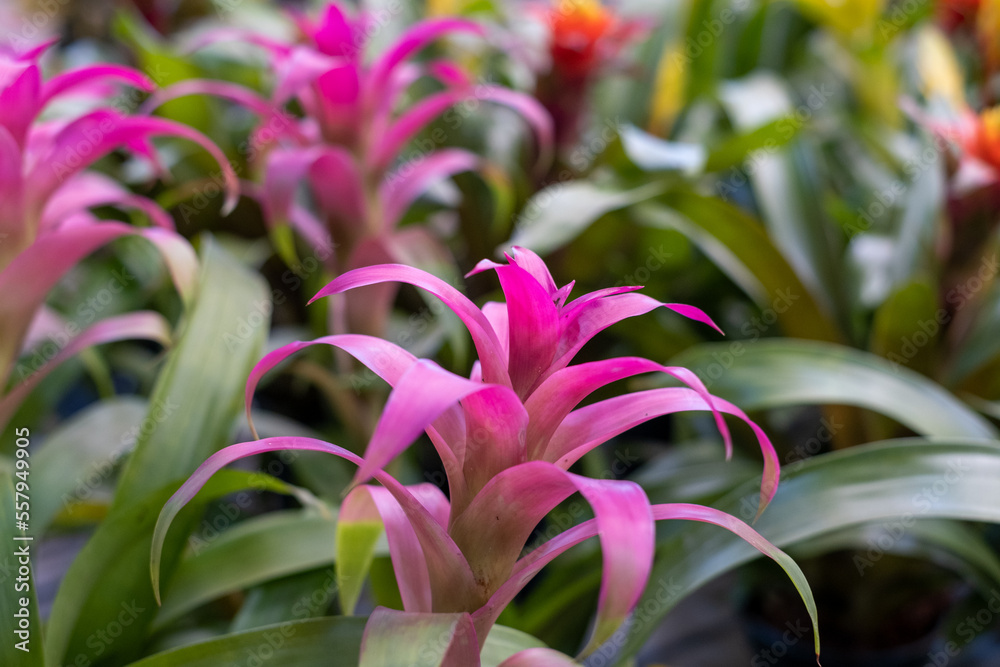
<point>497,523</point>
<point>483,336</point>
<point>142,325</point>
<point>589,426</point>
<point>395,638</point>
<point>451,579</point>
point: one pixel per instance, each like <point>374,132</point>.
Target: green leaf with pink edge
<point>405,639</point>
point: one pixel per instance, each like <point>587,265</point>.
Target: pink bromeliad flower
<point>348,147</point>
<point>507,436</point>
<point>46,226</point>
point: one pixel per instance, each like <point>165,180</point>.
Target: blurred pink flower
<point>45,223</point>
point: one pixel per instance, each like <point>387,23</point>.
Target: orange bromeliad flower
<point>985,143</point>
<point>585,39</point>
<point>578,29</point>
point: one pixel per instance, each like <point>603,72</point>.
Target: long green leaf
<point>204,378</point>
<point>257,550</point>
<point>356,542</point>
<point>783,185</point>
<point>740,247</point>
<point>782,372</point>
<point>202,382</point>
<point>980,346</point>
<point>950,542</point>
<point>399,639</point>
<point>82,455</point>
<point>895,483</point>
<point>119,551</point>
<point>561,212</point>
<point>319,642</point>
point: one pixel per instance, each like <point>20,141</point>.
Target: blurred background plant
<point>820,177</point>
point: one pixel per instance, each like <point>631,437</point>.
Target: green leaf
<point>80,456</point>
<point>895,483</point>
<point>503,642</point>
<point>296,597</point>
<point>193,409</point>
<point>740,247</point>
<point>252,552</point>
<point>784,185</point>
<point>400,639</point>
<point>163,68</point>
<point>650,153</point>
<point>20,624</point>
<point>202,383</point>
<point>693,474</point>
<point>849,17</point>
<point>320,642</point>
<point>951,543</point>
<point>106,602</point>
<point>775,373</point>
<point>702,59</point>
<point>981,345</point>
<point>923,206</point>
<point>733,151</point>
<point>356,541</point>
<point>561,212</point>
<point>906,326</point>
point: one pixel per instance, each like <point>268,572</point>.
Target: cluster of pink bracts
<point>507,435</point>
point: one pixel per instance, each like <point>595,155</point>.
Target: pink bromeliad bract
<point>507,436</point>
